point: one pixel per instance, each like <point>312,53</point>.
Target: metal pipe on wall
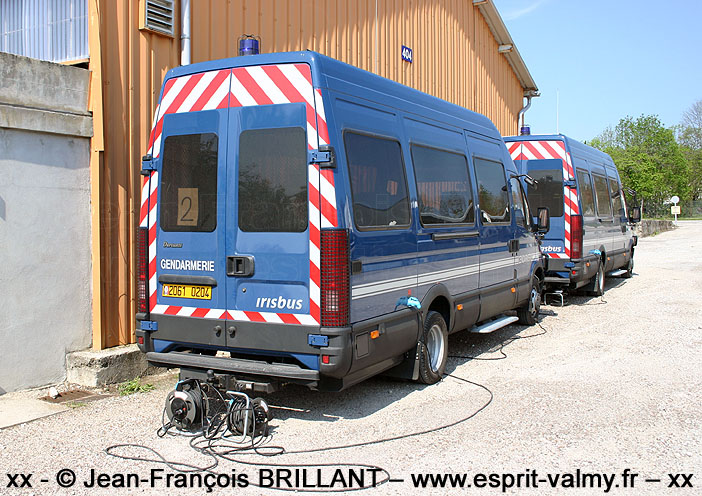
<point>185,32</point>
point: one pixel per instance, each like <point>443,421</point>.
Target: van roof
<point>574,146</point>
<point>332,74</point>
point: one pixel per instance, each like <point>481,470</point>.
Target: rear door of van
<point>238,231</point>
<point>548,163</point>
<point>272,207</point>
<point>188,279</point>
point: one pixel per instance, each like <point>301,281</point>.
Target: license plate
<point>187,291</point>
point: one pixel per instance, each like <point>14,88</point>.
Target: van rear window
<point>273,180</point>
<point>443,186</point>
<point>189,183</point>
<point>378,184</point>
<point>548,190</point>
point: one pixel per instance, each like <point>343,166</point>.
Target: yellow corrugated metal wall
<point>455,58</point>
<point>455,55</point>
<point>133,65</point>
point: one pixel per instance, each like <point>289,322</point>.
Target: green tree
<point>690,139</point>
<point>649,159</point>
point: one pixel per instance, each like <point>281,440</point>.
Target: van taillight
<point>142,250</point>
<point>576,236</point>
<point>335,277</point>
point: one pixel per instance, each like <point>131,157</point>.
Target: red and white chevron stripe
<point>552,149</point>
<point>247,86</point>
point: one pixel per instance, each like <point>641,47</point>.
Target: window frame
<point>477,190</point>
<point>526,211</point>
<point>597,197</point>
<point>238,180</point>
<point>580,197</point>
<point>470,186</point>
<point>163,176</point>
<point>397,140</point>
<point>621,213</point>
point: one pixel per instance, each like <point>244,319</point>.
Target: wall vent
<point>158,16</point>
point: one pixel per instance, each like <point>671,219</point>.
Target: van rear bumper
<point>232,365</point>
<point>573,273</point>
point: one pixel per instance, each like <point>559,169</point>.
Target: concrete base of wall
<point>650,227</point>
<point>110,366</point>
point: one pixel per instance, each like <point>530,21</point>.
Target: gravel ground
<point>613,384</point>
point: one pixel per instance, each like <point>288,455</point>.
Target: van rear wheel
<point>433,352</point>
<point>596,287</point>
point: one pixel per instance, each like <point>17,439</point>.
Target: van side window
<point>586,196</point>
<point>189,183</point>
<point>378,184</point>
<point>615,191</point>
<point>492,190</point>
<point>604,207</point>
<point>273,180</point>
<point>521,210</point>
<point>443,186</point>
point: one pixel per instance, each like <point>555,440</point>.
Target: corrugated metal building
<point>462,53</point>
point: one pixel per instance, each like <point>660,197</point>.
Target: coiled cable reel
<point>186,406</point>
<point>247,417</point>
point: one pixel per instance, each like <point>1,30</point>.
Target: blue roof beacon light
<point>524,131</point>
<point>249,45</point>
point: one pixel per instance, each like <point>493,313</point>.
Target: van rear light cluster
<point>335,277</point>
<point>576,236</point>
<point>142,250</point>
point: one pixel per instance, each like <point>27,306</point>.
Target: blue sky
<point>607,60</point>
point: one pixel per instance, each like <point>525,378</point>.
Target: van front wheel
<point>630,267</point>
<point>433,350</point>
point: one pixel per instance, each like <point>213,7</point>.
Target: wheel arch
<point>439,300</point>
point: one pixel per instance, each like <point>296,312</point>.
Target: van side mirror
<point>635,215</point>
<point>544,220</point>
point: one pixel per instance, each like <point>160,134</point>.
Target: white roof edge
<point>502,36</point>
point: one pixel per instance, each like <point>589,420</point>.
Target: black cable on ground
<point>221,448</point>
<point>218,446</point>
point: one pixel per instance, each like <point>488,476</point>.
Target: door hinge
<point>147,165</point>
<point>149,325</point>
<point>324,156</point>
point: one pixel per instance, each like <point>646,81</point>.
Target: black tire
<point>433,350</point>
<point>529,313</point>
<point>596,287</point>
<point>629,268</point>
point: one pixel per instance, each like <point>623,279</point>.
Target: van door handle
<point>513,245</point>
<point>240,265</point>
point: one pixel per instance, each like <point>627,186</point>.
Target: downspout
<point>185,32</point>
<point>520,117</point>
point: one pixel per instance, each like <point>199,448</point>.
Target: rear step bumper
<point>232,365</point>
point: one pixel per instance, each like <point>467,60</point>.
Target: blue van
<point>306,221</point>
<point>589,234</point>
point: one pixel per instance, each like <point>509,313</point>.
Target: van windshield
<point>548,190</point>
